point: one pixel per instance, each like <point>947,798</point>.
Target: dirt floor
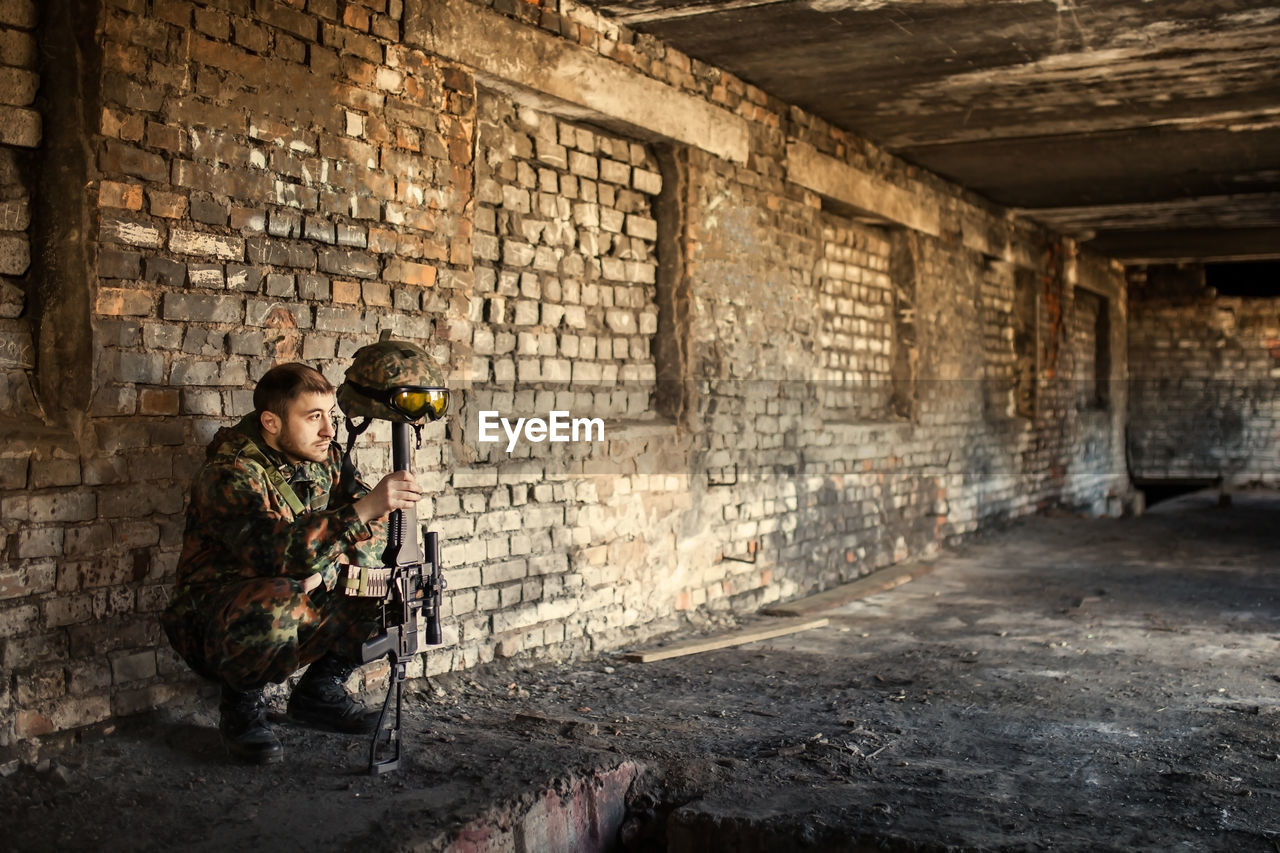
<point>1066,684</point>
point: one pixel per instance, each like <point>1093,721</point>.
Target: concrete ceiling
<point>1151,129</point>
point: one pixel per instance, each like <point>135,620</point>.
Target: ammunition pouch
<point>365,581</point>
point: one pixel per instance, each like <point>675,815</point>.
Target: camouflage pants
<point>262,630</point>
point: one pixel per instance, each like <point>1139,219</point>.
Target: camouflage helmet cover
<point>381,366</point>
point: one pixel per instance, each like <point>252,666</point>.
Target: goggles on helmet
<point>412,401</point>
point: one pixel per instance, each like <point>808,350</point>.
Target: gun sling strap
<point>275,478</point>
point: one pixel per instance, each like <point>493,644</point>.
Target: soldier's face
<point>306,430</point>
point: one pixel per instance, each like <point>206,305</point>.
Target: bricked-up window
<point>566,261</point>
<point>856,305</point>
<point>1090,334</point>
<point>45,340</point>
<point>904,272</point>
<point>1026,343</point>
<point>1000,360</point>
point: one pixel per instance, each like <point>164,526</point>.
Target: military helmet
<point>393,381</point>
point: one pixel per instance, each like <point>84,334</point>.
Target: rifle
<point>410,611</point>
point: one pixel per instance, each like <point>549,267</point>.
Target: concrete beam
<point>838,181</point>
<point>568,79</point>
<point>918,208</point>
<point>1240,210</point>
<point>1203,245</point>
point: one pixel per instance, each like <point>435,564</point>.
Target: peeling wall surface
<point>1148,129</point>
<point>796,387</point>
<point>1205,383</point>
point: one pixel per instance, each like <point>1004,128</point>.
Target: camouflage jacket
<point>239,525</point>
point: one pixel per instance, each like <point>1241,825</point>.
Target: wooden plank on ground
<point>724,641</point>
<point>882,580</point>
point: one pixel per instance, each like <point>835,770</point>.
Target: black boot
<point>321,699</point>
<point>243,723</point>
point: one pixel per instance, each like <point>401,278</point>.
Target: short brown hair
<point>284,383</point>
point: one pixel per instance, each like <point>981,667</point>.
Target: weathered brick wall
<point>269,183</point>
<point>856,298</point>
<point>791,397</point>
<point>20,132</point>
<point>1204,384</point>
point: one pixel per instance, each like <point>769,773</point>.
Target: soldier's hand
<point>397,490</point>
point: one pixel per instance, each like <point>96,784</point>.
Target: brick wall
<point>20,132</point>
<point>791,396</point>
<point>1205,381</point>
<point>857,337</point>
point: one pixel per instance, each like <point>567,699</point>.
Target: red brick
<point>252,37</point>
<point>327,9</point>
<point>280,15</point>
<point>346,292</point>
<point>166,204</point>
<point>356,17</point>
<point>408,139</point>
<point>30,724</point>
<point>376,293</point>
<point>382,240</point>
<point>141,30</point>
<point>115,194</point>
<point>165,137</point>
<point>227,57</point>
<point>290,49</point>
<point>243,184</point>
<point>118,88</point>
<point>248,220</point>
<point>214,23</point>
<point>460,251</point>
<point>174,11</point>
<point>323,60</point>
<point>123,57</point>
<point>408,272</point>
<point>347,41</point>
<point>158,401</point>
<point>168,77</point>
<point>120,159</point>
<point>385,27</point>
<point>367,207</point>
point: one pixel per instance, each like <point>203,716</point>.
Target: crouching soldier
<point>269,528</point>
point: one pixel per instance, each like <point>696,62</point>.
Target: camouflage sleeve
<point>237,500</point>
<point>366,552</point>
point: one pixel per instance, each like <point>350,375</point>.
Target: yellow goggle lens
<point>416,402</point>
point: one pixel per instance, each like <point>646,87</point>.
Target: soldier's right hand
<point>397,490</point>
